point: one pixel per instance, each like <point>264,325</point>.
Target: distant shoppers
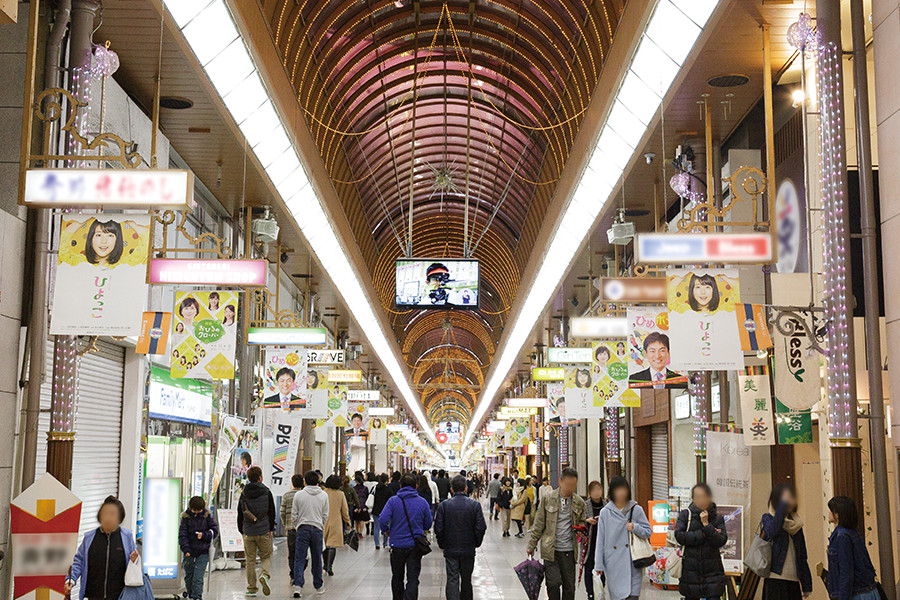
<point>701,531</point>
<point>196,533</point>
<point>559,512</point>
<point>504,503</point>
<point>851,575</point>
<point>256,522</point>
<point>459,527</point>
<point>350,493</point>
<point>309,513</point>
<point>338,521</point>
<point>382,494</point>
<point>395,482</point>
<point>424,489</point>
<point>529,506</point>
<point>287,504</point>
<point>361,514</point>
<point>518,506</point>
<point>443,485</point>
<point>612,555</point>
<point>371,484</point>
<point>405,517</point>
<point>435,494</point>
<point>103,555</point>
<point>593,506</point>
<point>493,491</point>
<point>544,490</point>
<point>790,578</point>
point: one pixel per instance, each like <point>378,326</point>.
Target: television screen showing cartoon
<point>448,283</point>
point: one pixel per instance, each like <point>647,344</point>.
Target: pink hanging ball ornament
<point>803,35</point>
<point>106,61</point>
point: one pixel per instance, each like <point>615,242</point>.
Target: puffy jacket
<point>461,518</point>
<point>383,493</point>
<point>258,500</point>
<point>850,569</point>
<point>773,525</point>
<point>402,532</point>
<point>191,525</point>
<point>703,575</point>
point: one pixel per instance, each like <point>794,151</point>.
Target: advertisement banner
<point>702,323</point>
<point>579,395</point>
<point>231,538</point>
<point>733,551</point>
<point>396,441</point>
<point>154,337</point>
<point>756,407</point>
<point>246,455</point>
<point>334,396</point>
<point>284,446</point>
<point>729,468</point>
<point>358,422</point>
<point>285,380</point>
<point>377,431</point>
<point>610,381</point>
<point>649,350</point>
<point>794,426</point>
<point>517,432</point>
<point>752,327</point>
<point>449,432</point>
<point>797,381</point>
<point>555,413</point>
<point>228,437</point>
<point>100,287</point>
<point>162,515</point>
<point>205,335</point>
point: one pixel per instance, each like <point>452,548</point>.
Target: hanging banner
<point>702,325</point>
<point>649,350</point>
<point>283,454</point>
<point>99,287</point>
<point>396,441</point>
<point>569,356</point>
<point>377,431</point>
<point>797,380</point>
<point>756,407</point>
<point>517,432</point>
<point>794,426</point>
<point>555,414</point>
<point>285,384</point>
<point>228,438</point>
<point>154,337</point>
<point>246,455</point>
<point>579,395</point>
<point>729,468</point>
<point>357,431</point>
<point>205,335</point>
<point>752,327</point>
<point>335,396</point>
<point>610,385</point>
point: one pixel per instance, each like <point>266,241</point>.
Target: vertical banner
<point>228,438</point>
<point>377,431</point>
<point>285,384</point>
<point>205,335</point>
<point>518,432</point>
<point>579,396</point>
<point>756,407</point>
<point>794,426</point>
<point>335,395</point>
<point>610,362</point>
<point>154,335</point>
<point>797,381</point>
<point>703,327</point>
<point>728,467</point>
<point>100,286</point>
<point>556,404</point>
<point>733,551</point>
<point>284,446</point>
<point>752,327</point>
<point>246,455</point>
<point>649,350</point>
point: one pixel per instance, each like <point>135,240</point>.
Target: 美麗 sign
<point>119,188</point>
<point>198,271</point>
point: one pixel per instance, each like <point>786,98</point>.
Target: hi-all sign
<point>344,376</point>
<point>548,373</point>
<point>703,248</point>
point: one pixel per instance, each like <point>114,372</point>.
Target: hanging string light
<point>697,393</point>
<point>803,36</point>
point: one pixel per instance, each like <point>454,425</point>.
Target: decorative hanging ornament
<point>106,61</point>
<point>803,35</point>
<point>681,185</point>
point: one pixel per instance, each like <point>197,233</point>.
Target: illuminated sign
<point>512,411</point>
<point>702,248</point>
<point>287,336</point>
<point>599,327</point>
<point>569,355</point>
<point>198,271</point>
<point>162,515</point>
<point>632,289</point>
<point>325,357</point>
<point>120,188</point>
<point>344,376</point>
<point>183,400</point>
<point>527,402</point>
<point>362,395</point>
<point>382,411</point>
<point>548,373</point>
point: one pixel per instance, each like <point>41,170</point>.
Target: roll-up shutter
<point>659,468</point>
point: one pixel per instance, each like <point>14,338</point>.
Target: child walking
<point>197,531</point>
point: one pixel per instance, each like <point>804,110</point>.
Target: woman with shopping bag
<point>701,532</point>
<point>622,523</point>
<point>103,556</point>
<point>789,576</point>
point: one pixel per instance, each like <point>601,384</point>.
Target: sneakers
<point>320,591</point>
<point>250,594</point>
<point>298,591</point>
<point>264,582</point>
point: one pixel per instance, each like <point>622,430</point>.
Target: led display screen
<point>439,282</point>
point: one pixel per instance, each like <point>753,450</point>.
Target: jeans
<point>261,545</point>
<point>377,529</point>
<point>194,571</point>
<point>309,540</point>
<point>291,548</point>
<point>405,560</point>
<point>561,573</point>
<point>491,509</point>
<point>459,577</point>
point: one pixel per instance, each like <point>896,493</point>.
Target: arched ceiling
<point>489,93</point>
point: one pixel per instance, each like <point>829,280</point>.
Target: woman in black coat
<point>701,532</point>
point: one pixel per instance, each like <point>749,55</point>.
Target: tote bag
<point>642,554</point>
<point>134,573</point>
<point>675,562</point>
<point>759,556</point>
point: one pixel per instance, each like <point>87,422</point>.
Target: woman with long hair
<point>592,515</point>
<point>790,577</point>
<point>338,520</point>
<point>361,514</point>
<point>701,531</point>
<point>612,555</point>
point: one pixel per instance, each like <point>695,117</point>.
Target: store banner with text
<point>100,283</point>
<point>794,426</point>
<point>756,407</point>
<point>797,381</point>
<point>610,378</point>
<point>649,349</point>
<point>205,335</point>
<point>281,451</point>
<point>729,467</point>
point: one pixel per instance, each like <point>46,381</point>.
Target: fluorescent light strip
<point>653,68</point>
<point>210,30</point>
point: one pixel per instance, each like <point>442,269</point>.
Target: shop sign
<point>344,376</point>
<point>229,536</point>
<point>162,514</point>
<point>287,336</point>
<point>593,328</point>
<point>569,356</point>
<point>756,407</point>
<point>794,426</point>
<point>360,395</point>
<point>326,357</point>
<point>154,336</point>
<point>733,551</point>
<point>382,411</point>
<point>658,515</point>
<point>179,400</point>
<point>526,402</point>
<point>510,411</point>
<point>729,467</point>
<point>548,373</point>
<point>204,271</point>
<point>702,248</point>
<point>120,188</point>
<point>44,526</point>
<point>632,289</point>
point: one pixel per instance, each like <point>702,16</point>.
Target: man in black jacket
<point>459,526</point>
<point>256,522</point>
<point>443,485</point>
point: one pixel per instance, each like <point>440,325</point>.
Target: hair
<point>616,483</point>
<point>779,490</point>
<point>188,302</point>
<point>356,416</point>
<point>370,476</point>
<point>423,482</point>
<point>285,371</point>
<point>582,372</point>
<point>395,476</point>
<point>112,227</point>
<point>458,484</point>
<point>442,473</point>
<point>333,482</point>
<point>254,474</point>
<point>214,295</point>
<point>229,306</point>
<point>603,350</point>
<point>844,509</point>
<point>708,280</point>
<point>701,486</point>
<point>197,503</point>
<point>594,484</point>
<point>434,472</point>
<point>656,337</point>
<point>409,480</point>
<point>463,472</point>
<point>246,456</point>
<point>383,478</point>
<point>496,475</point>
<point>359,478</point>
<point>345,481</point>
<point>297,479</point>
<point>568,472</point>
<point>115,502</point>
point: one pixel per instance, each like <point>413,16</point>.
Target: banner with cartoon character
<point>702,322</point>
<point>205,335</point>
<point>518,432</point>
<point>100,286</point>
<point>610,379</point>
<point>648,348</point>
<point>335,395</point>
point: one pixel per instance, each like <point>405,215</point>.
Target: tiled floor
<point>366,575</point>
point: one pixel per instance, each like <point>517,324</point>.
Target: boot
<point>330,554</point>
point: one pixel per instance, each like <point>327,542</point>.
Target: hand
<point>704,517</point>
<point>629,526</point>
<point>134,555</point>
<point>592,521</point>
<point>187,554</point>
<point>530,553</point>
<point>69,586</point>
<point>598,573</point>
<point>718,531</point>
<point>199,535</point>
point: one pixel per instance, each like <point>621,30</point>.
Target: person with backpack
<point>196,533</point>
<point>256,522</point>
<point>701,532</point>
<point>405,518</point>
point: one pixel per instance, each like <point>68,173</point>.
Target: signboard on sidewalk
<point>231,538</point>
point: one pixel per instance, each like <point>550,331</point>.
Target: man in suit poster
<point>649,351</point>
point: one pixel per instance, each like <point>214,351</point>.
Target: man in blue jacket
<point>405,517</point>
<point>459,526</point>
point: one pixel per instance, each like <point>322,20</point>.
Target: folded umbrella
<point>531,574</point>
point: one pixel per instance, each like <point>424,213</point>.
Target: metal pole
<point>770,134</point>
<point>872,289</point>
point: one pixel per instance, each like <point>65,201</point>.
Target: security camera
<point>649,156</point>
<point>284,257</point>
<point>575,301</point>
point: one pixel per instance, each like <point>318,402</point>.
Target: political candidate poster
<point>649,350</point>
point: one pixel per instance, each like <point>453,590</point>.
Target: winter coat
<point>773,525</point>
<point>443,485</point>
<point>518,506</point>
<point>258,500</point>
<point>612,554</point>
<point>80,562</point>
<point>459,525</point>
<point>338,519</point>
<point>352,498</point>
<point>703,575</point>
<point>402,532</point>
<point>287,502</point>
<point>592,509</point>
<point>543,529</point>
<point>382,494</point>
<point>850,569</point>
<point>191,525</point>
<point>504,498</point>
<point>362,494</point>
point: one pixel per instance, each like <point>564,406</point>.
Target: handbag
<point>134,573</point>
<point>642,554</point>
<point>759,556</point>
<point>675,562</point>
<point>352,540</point>
<point>370,501</point>
<point>422,545</point>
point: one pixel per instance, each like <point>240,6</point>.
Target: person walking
<point>443,486</point>
<point>435,494</point>
<point>382,494</point>
<point>504,504</point>
<point>196,533</point>
<point>701,532</point>
<point>256,522</point>
<point>544,490</point>
<point>790,577</point>
<point>309,515</point>
<point>102,557</point>
<point>518,506</point>
<point>395,482</point>
<point>287,505</point>
<point>592,507</point>
<point>493,490</point>
<point>851,575</point>
<point>559,512</point>
<point>350,493</point>
<point>405,517</point>
<point>361,513</point>
<point>529,506</point>
<point>459,527</point>
<point>371,484</point>
<point>612,554</point>
<point>338,521</point>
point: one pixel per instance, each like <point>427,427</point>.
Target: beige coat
<point>518,505</point>
<point>338,515</point>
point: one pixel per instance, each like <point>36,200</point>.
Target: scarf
<point>792,522</point>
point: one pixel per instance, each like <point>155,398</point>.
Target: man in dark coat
<point>701,531</point>
<point>459,527</point>
<point>256,522</point>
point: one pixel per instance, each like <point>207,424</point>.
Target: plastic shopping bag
<point>134,573</point>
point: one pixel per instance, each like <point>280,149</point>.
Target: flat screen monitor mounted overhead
<point>437,283</point>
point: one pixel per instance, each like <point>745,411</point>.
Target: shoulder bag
<point>642,554</point>
<point>759,556</point>
<point>675,562</point>
<point>422,545</point>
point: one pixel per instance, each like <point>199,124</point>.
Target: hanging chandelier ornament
<point>803,35</point>
<point>106,61</point>
<point>681,185</point>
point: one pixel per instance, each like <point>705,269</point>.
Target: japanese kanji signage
<point>729,468</point>
<point>756,407</point>
<point>794,426</point>
<point>124,188</point>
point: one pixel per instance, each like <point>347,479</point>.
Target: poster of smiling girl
<point>205,336</point>
<point>702,324</point>
<point>100,285</point>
